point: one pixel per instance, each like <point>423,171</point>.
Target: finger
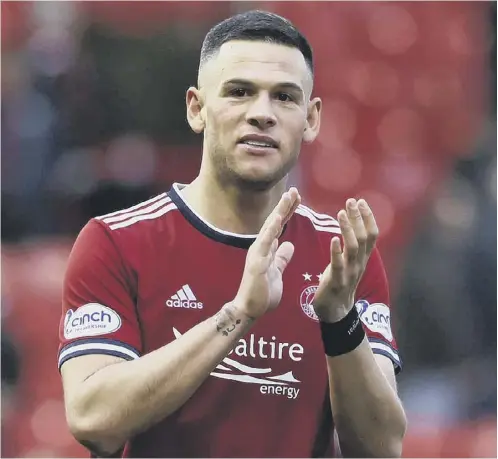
<point>336,264</point>
<point>296,201</point>
<point>358,225</point>
<point>268,234</point>
<point>273,225</point>
<point>283,256</point>
<point>281,209</point>
<point>349,238</point>
<point>285,204</point>
<point>293,193</point>
<point>273,248</point>
<point>294,198</point>
<point>371,228</point>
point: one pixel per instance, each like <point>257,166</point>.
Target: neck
<point>229,208</point>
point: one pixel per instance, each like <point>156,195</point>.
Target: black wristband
<point>343,336</point>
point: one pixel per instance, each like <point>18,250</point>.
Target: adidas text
<point>184,298</point>
<point>184,304</point>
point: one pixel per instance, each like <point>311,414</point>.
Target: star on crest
<point>307,276</point>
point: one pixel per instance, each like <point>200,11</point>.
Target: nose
<point>260,113</point>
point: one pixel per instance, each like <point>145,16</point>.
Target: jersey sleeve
<point>98,307</point>
<point>373,304</point>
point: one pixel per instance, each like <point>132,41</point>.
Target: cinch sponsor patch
<point>91,319</point>
<point>376,317</point>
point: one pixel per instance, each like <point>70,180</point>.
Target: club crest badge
<point>306,301</point>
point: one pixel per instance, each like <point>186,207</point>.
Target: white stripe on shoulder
<point>143,211</point>
<point>139,218</point>
<point>317,215</point>
<point>137,206</point>
<point>327,226</point>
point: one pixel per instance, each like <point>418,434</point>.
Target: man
<point>188,331</point>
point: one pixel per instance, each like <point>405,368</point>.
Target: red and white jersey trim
<point>135,207</point>
<point>148,210</point>
<point>321,222</point>
<point>135,213</point>
<point>97,346</point>
<point>139,218</point>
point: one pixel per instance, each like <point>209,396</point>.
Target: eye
<point>284,97</point>
<point>238,92</point>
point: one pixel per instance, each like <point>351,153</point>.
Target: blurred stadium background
<point>93,119</point>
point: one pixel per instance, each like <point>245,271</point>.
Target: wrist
<point>230,320</point>
<point>332,313</point>
<point>237,310</point>
<point>344,335</point>
<point>247,308</point>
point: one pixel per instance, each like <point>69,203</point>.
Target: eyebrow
<point>284,85</point>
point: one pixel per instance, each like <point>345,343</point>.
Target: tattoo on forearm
<point>225,321</point>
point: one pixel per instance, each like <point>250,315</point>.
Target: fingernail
<point>351,203</point>
<point>362,204</point>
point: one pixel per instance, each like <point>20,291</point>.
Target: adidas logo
<point>184,298</point>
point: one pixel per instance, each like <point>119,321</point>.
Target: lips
<point>257,140</point>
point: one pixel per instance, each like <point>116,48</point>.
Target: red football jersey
<point>139,278</point>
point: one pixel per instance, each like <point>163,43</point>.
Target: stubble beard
<point>228,175</point>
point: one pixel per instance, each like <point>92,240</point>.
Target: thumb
<point>283,256</point>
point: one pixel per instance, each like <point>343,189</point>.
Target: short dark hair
<point>256,25</point>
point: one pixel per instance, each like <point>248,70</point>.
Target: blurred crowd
<point>93,120</point>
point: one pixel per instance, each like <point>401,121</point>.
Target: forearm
<point>121,400</point>
<point>368,414</point>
